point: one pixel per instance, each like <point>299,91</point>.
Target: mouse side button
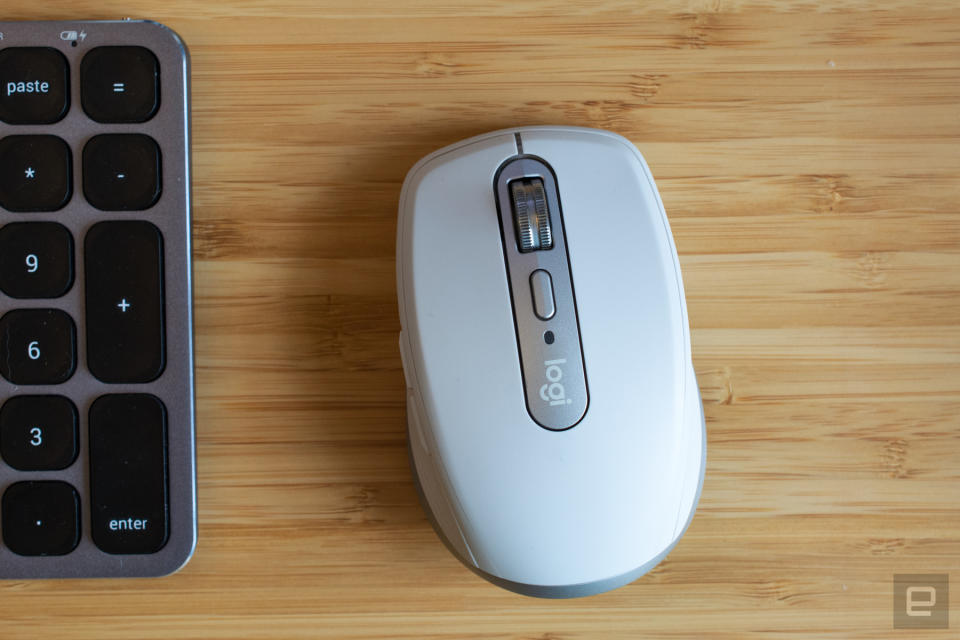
<point>414,421</point>
<point>432,487</point>
<point>405,361</point>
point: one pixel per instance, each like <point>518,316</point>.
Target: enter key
<point>128,473</point>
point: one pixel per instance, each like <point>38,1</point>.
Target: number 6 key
<point>37,346</point>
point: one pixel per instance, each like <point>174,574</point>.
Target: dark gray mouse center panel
<point>542,292</point>
<point>139,411</point>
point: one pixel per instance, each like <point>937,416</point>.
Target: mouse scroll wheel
<point>530,215</point>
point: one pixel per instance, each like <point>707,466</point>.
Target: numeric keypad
<point>97,438</point>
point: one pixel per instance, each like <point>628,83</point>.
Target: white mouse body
<point>593,500</point>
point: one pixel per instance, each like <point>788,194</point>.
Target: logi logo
<point>553,391</point>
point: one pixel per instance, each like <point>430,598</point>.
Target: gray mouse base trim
<point>573,590</point>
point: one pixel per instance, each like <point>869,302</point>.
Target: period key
<point>128,473</point>
<point>124,290</point>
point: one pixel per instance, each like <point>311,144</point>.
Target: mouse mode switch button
<point>541,287</point>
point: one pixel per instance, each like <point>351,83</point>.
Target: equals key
<point>120,84</point>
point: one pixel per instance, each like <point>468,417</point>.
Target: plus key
<point>125,341</point>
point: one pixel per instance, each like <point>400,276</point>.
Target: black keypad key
<point>36,260</point>
<point>34,173</point>
<point>121,171</point>
<point>41,518</point>
<point>128,473</point>
<point>34,85</point>
<point>37,346</point>
<point>124,285</point>
<point>120,84</point>
<point>38,433</point>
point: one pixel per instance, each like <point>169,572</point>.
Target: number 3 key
<point>38,433</point>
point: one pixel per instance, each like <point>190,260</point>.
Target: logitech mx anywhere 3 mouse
<point>556,430</point>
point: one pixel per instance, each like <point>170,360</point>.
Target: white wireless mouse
<point>555,425</point>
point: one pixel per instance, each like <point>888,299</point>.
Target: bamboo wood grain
<point>808,160</point>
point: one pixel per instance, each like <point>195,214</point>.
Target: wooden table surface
<point>808,161</point>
